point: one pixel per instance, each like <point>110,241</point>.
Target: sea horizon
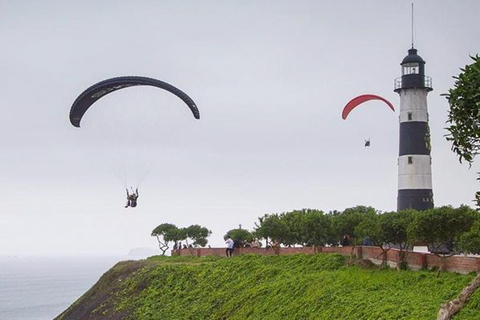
<point>40,287</point>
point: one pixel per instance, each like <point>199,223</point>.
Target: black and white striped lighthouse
<point>414,161</point>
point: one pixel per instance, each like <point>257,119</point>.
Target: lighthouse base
<point>418,199</point>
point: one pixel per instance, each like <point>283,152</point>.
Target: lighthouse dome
<point>413,57</point>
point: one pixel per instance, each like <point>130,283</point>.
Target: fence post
<point>359,252</point>
<point>423,261</point>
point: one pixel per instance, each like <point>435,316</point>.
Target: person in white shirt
<point>229,250</point>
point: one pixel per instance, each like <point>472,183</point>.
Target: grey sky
<point>270,79</point>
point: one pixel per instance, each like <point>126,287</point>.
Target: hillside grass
<point>471,310</point>
<point>269,287</point>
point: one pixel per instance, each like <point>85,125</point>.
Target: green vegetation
<point>442,228</point>
<point>464,100</point>
<point>264,287</point>
<point>464,114</point>
<point>471,310</point>
<point>446,230</point>
<point>470,241</point>
<point>240,237</point>
<point>167,232</point>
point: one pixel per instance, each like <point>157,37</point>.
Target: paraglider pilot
<point>132,198</point>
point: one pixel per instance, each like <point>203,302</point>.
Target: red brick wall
<point>456,263</point>
<point>415,260</point>
<point>346,251</point>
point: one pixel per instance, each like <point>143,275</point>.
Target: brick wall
<point>415,260</point>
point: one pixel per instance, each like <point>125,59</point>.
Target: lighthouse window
<point>410,160</point>
<point>410,116</point>
<point>411,68</point>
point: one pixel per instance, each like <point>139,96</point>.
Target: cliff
<point>299,286</point>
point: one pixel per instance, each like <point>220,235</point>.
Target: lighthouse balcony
<point>413,81</point>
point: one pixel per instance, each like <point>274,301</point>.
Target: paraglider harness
<point>132,198</point>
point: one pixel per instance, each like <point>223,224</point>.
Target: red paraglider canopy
<point>352,104</point>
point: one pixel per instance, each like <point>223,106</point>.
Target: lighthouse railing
<point>398,83</point>
<point>427,83</point>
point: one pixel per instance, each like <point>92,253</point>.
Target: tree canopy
<point>469,242</point>
<point>346,222</point>
<point>273,227</point>
<point>464,114</point>
<point>312,227</point>
<point>198,235</point>
<point>239,236</point>
<point>442,227</point>
<point>167,232</point>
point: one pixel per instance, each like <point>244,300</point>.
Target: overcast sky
<point>270,79</point>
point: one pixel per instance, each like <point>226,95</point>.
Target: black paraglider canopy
<point>102,88</point>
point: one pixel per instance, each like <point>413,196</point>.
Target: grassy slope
<point>471,310</point>
<point>257,287</point>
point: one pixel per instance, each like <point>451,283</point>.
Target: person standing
<point>229,250</point>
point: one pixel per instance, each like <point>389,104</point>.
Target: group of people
<point>179,246</point>
<point>253,244</point>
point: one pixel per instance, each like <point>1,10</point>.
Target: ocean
<point>40,288</point>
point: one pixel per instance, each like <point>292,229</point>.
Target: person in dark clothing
<point>132,198</point>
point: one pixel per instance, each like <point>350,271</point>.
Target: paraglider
<point>124,132</point>
<point>102,88</point>
<point>355,102</point>
<point>132,198</point>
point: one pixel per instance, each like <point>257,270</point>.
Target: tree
<point>396,226</point>
<point>387,230</point>
<point>469,242</point>
<point>464,114</point>
<point>306,227</point>
<point>371,226</point>
<point>239,236</point>
<point>165,233</point>
<point>177,236</point>
<point>346,222</point>
<point>316,228</point>
<point>441,229</point>
<point>294,223</point>
<point>198,235</point>
<point>274,228</point>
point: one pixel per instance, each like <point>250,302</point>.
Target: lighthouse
<point>414,160</point>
